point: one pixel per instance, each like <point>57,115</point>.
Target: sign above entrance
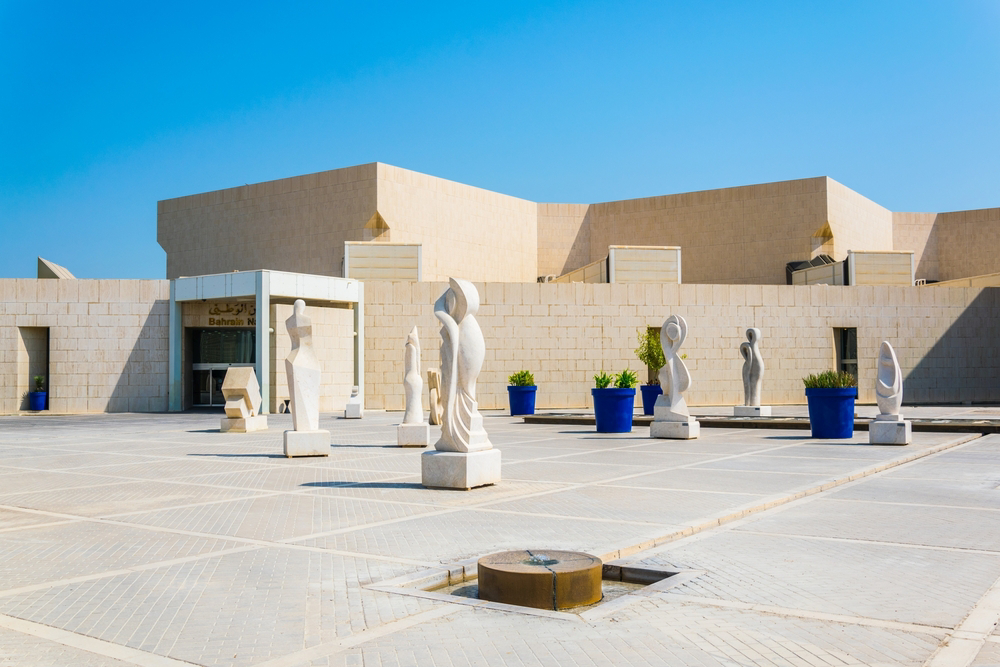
<point>238,314</point>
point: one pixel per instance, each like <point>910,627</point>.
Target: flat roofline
<point>280,284</point>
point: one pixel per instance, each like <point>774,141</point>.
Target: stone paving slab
<point>18,649</point>
<point>958,493</point>
<point>226,553</point>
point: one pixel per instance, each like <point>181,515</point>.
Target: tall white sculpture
<point>671,417</point>
<point>303,370</point>
<point>414,431</point>
<point>464,457</point>
<point>753,372</point>
<point>434,394</point>
<point>889,427</point>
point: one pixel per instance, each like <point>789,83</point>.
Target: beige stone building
<point>823,271</point>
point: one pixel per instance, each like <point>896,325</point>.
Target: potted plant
<point>650,353</point>
<point>521,393</point>
<point>36,399</point>
<point>831,396</point>
<point>613,406</point>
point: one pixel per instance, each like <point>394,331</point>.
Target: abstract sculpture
<point>889,427</point>
<point>753,372</point>
<point>414,431</point>
<point>303,371</point>
<point>434,390</point>
<point>242,394</point>
<point>671,417</point>
<point>464,457</point>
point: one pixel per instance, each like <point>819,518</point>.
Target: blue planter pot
<point>522,400</point>
<point>36,400</point>
<point>613,409</point>
<point>831,412</point>
<point>649,394</point>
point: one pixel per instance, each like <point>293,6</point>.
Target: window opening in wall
<point>846,340</point>
<point>33,362</point>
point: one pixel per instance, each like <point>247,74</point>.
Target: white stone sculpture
<point>303,370</point>
<point>671,417</point>
<point>414,431</point>
<point>242,394</point>
<point>434,393</point>
<point>889,427</point>
<point>353,409</point>
<point>753,372</point>
<point>464,457</point>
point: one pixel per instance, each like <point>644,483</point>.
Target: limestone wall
<point>742,235</point>
<point>333,340</point>
<point>946,339</point>
<point>967,243</point>
<point>917,232</point>
<point>857,222</point>
<point>563,238</point>
<point>296,224</point>
<point>464,231</point>
<point>108,342</point>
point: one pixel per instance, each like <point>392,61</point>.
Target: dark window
<point>225,346</point>
<point>847,350</point>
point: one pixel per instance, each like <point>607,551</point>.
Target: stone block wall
<point>108,345</point>
<point>333,341</point>
<point>946,339</point>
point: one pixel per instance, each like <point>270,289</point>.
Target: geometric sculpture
<point>889,427</point>
<point>464,457</point>
<point>434,390</point>
<point>242,394</point>
<point>753,371</point>
<point>353,409</point>
<point>671,417</point>
<point>303,371</point>
<point>414,431</point>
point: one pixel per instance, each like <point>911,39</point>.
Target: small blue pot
<point>831,412</point>
<point>522,400</point>
<point>613,409</point>
<point>36,400</point>
<point>649,394</point>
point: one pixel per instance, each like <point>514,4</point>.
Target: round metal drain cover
<point>541,579</point>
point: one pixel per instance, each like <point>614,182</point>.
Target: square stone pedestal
<point>248,425</point>
<point>457,470</point>
<point>752,411</point>
<point>688,430</point>
<point>307,443</point>
<point>353,411</point>
<point>890,432</point>
<point>413,435</point>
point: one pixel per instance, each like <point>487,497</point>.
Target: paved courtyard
<point>156,540</point>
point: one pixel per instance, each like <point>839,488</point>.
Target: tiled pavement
<point>156,540</point>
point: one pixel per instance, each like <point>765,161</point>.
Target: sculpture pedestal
<point>884,432</point>
<point>307,443</point>
<point>458,470</point>
<point>752,411</point>
<point>353,411</point>
<point>413,435</point>
<point>248,425</point>
<point>688,430</point>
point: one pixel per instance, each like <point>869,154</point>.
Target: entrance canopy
<point>263,288</point>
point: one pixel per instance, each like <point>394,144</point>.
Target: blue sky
<point>107,107</point>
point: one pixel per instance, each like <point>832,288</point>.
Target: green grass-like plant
<point>650,353</point>
<point>521,379</point>
<point>39,382</point>
<point>830,380</point>
<point>602,380</point>
<point>627,379</point>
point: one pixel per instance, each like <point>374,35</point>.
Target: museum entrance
<point>214,351</point>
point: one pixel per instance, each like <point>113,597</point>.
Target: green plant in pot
<point>521,393</point>
<point>650,353</point>
<point>613,406</point>
<point>831,396</point>
<point>36,398</point>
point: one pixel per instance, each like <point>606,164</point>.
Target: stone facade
<point>107,347</point>
<point>946,339</point>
